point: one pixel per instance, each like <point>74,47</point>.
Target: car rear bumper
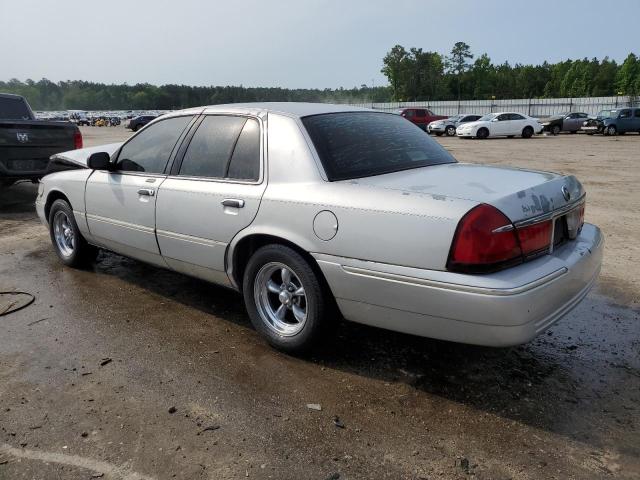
<point>499,309</point>
<point>23,168</point>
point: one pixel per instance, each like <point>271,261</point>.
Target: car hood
<point>519,194</point>
<point>79,158</point>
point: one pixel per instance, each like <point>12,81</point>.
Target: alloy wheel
<point>280,299</point>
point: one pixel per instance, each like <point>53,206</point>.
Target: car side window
<point>409,113</point>
<point>210,148</point>
<point>245,160</point>
<point>625,113</point>
<point>150,150</point>
<point>420,113</point>
<point>516,116</point>
<point>637,115</point>
<point>503,117</point>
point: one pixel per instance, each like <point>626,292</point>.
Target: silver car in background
<point>448,125</point>
<point>313,211</point>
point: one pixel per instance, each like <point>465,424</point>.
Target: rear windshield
<point>362,144</point>
<point>14,109</point>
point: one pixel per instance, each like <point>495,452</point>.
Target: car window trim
<point>187,141</point>
<point>171,155</point>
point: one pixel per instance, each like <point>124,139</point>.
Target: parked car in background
<point>500,124</point>
<point>137,123</point>
<point>27,143</point>
<point>563,122</point>
<point>420,116</point>
<point>280,201</point>
<point>79,117</point>
<point>448,126</point>
<point>614,122</point>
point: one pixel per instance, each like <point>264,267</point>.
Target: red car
<point>420,116</point>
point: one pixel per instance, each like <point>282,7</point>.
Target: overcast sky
<point>292,43</point>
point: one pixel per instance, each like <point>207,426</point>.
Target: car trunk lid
<point>520,194</point>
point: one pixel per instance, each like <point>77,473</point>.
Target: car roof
<point>292,109</point>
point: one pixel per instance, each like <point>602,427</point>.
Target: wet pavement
<point>133,372</point>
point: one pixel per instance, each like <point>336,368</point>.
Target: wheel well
<point>52,197</point>
<point>251,243</point>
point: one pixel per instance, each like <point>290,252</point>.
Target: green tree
<point>627,76</point>
<point>395,64</point>
<point>457,62</point>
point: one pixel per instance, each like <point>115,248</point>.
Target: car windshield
<point>607,113</point>
<point>362,144</point>
<point>487,118</point>
<point>455,118</point>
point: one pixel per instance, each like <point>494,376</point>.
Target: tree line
<point>416,75</point>
<point>413,75</point>
<point>80,95</point>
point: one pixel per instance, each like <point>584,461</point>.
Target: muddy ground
<point>91,372</point>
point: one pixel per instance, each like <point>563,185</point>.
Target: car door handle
<point>233,202</point>
<point>148,192</point>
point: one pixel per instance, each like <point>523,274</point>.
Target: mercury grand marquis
<point>313,211</point>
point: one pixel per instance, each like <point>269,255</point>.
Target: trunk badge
<point>565,193</point>
<point>22,137</point>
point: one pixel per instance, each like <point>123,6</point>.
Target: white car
<point>448,126</point>
<point>501,124</point>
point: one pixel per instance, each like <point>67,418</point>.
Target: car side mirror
<point>494,119</point>
<point>99,161</point>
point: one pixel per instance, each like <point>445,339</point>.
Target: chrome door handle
<point>233,202</point>
<point>149,192</point>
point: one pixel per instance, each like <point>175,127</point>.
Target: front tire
<point>482,133</point>
<point>69,244</point>
<point>527,132</point>
<point>611,131</point>
<point>555,130</point>
<point>450,131</point>
<point>284,298</point>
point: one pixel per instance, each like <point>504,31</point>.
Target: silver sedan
<point>313,211</point>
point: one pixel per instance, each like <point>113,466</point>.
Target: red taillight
<point>77,139</point>
<point>485,240</point>
<point>535,238</point>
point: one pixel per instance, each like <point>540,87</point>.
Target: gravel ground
<point>132,372</point>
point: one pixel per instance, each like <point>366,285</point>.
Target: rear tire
<point>527,132</point>
<point>69,244</point>
<point>482,133</point>
<point>287,309</point>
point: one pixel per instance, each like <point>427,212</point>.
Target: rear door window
<point>245,160</point>
<point>625,113</point>
<point>211,147</point>
<point>637,113</point>
<point>224,146</point>
<point>150,150</point>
